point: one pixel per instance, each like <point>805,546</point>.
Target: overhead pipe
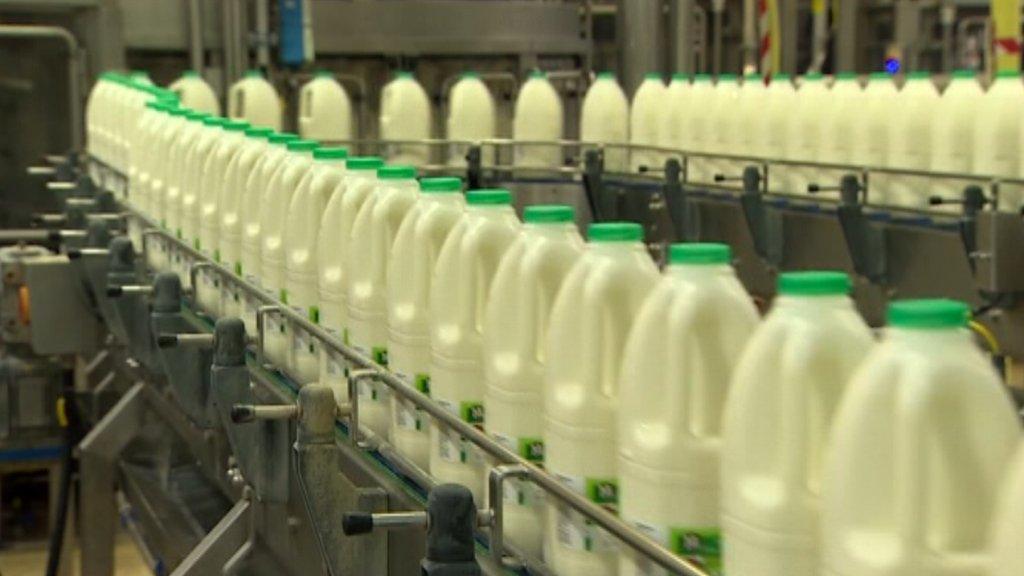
<point>18,31</point>
<point>196,50</point>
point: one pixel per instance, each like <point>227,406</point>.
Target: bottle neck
<point>550,229</point>
<point>931,337</point>
<point>688,271</point>
<point>450,199</point>
<point>614,248</point>
<point>813,303</point>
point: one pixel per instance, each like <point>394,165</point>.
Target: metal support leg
<point>99,451</point>
<point>221,545</point>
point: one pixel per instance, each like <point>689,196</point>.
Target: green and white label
<point>701,546</point>
<point>451,446</point>
<point>577,532</point>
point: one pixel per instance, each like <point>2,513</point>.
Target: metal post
<point>640,23</point>
<point>847,28</point>
<point>221,545</point>
<point>99,451</point>
<point>196,50</point>
<point>682,37</point>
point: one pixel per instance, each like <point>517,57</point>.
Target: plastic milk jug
<point>646,115</point>
<point>195,94</point>
<point>785,390</point>
<point>255,100</point>
<point>953,132</point>
<point>325,110</point>
<point>405,114</point>
<point>910,140</point>
<point>592,316</point>
<point>539,117</point>
<point>471,118</point>
<point>1008,529</point>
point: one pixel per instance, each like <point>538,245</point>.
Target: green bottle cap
<point>330,153</point>
<point>488,197</point>
<point>396,172</point>
<point>548,214</point>
<point>815,283</point>
<point>615,232</point>
<point>364,163</point>
<point>435,185</point>
<point>699,253</point>
<point>925,314</point>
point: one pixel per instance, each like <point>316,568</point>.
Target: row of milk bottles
<point>965,129</point>
<point>792,445</point>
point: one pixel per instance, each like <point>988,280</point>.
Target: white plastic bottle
<point>301,234</point>
<point>953,132</point>
<point>910,140</point>
<point>359,183</point>
<point>747,139</point>
<point>591,318</point>
<point>1008,528</point>
<point>175,182</point>
<point>161,165</point>
<point>806,129</point>
<point>677,107</point>
<point>233,201</point>
<point>682,351</point>
<point>417,245</point>
<point>471,118</point>
<point>405,114</point>
<point>255,187</point>
<point>646,115</point>
<point>775,119</point>
<point>255,100</point>
<point>917,449</point>
<point>604,119</point>
<point>785,390</point>
<point>192,194</point>
<point>369,255</point>
<point>842,113</point>
<point>194,93</point>
<point>277,198</point>
<point>539,117</point>
<point>325,110</point>
<point>211,188</point>
<point>458,298</point>
<point>997,144</point>
<point>723,118</point>
<point>697,127</point>
<point>515,353</point>
<point>871,134</point>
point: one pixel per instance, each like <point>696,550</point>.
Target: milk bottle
<point>724,123</point>
<point>161,164</point>
<point>256,181</point>
<point>1008,529</point>
<point>232,201</point>
<point>806,129</point>
<point>646,115</point>
<point>697,127</point>
<point>871,133</point>
<point>359,183</point>
<point>419,241</point>
<point>153,118</point>
<point>458,298</point>
<point>953,132</point>
<point>604,119</point>
<point>174,184</point>
<point>917,449</point>
<point>786,386</point>
<point>997,146</point>
<point>840,116</point>
<point>325,110</point>
<point>277,198</point>
<point>747,137</point>
<point>211,188</point>
<point>191,193</point>
<point>405,114</point>
<point>677,106</point>
<point>910,139</point>
<point>194,93</point>
<point>515,353</point>
<point>539,117</point>
<point>681,350</point>
<point>301,233</point>
<point>255,100</point>
<point>775,118</point>
<point>369,253</point>
<point>471,118</point>
<point>591,317</point>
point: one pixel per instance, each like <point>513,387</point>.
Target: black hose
<point>72,428</point>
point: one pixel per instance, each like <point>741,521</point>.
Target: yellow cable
<point>62,415</point>
<point>987,335</point>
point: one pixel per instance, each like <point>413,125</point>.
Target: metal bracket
<point>222,545</point>
<point>593,183</point>
<point>865,240</point>
<point>685,216</point>
<point>763,222</point>
<point>474,167</point>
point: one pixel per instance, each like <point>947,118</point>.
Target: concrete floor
<point>30,560</point>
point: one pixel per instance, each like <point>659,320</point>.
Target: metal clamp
<point>166,340</point>
<point>245,413</point>
<point>118,291</point>
<point>193,273</point>
<point>352,410</point>
<point>261,338</point>
<point>496,497</point>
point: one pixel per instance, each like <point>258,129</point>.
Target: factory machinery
<point>214,461</point>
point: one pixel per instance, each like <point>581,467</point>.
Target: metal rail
<point>370,369</point>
